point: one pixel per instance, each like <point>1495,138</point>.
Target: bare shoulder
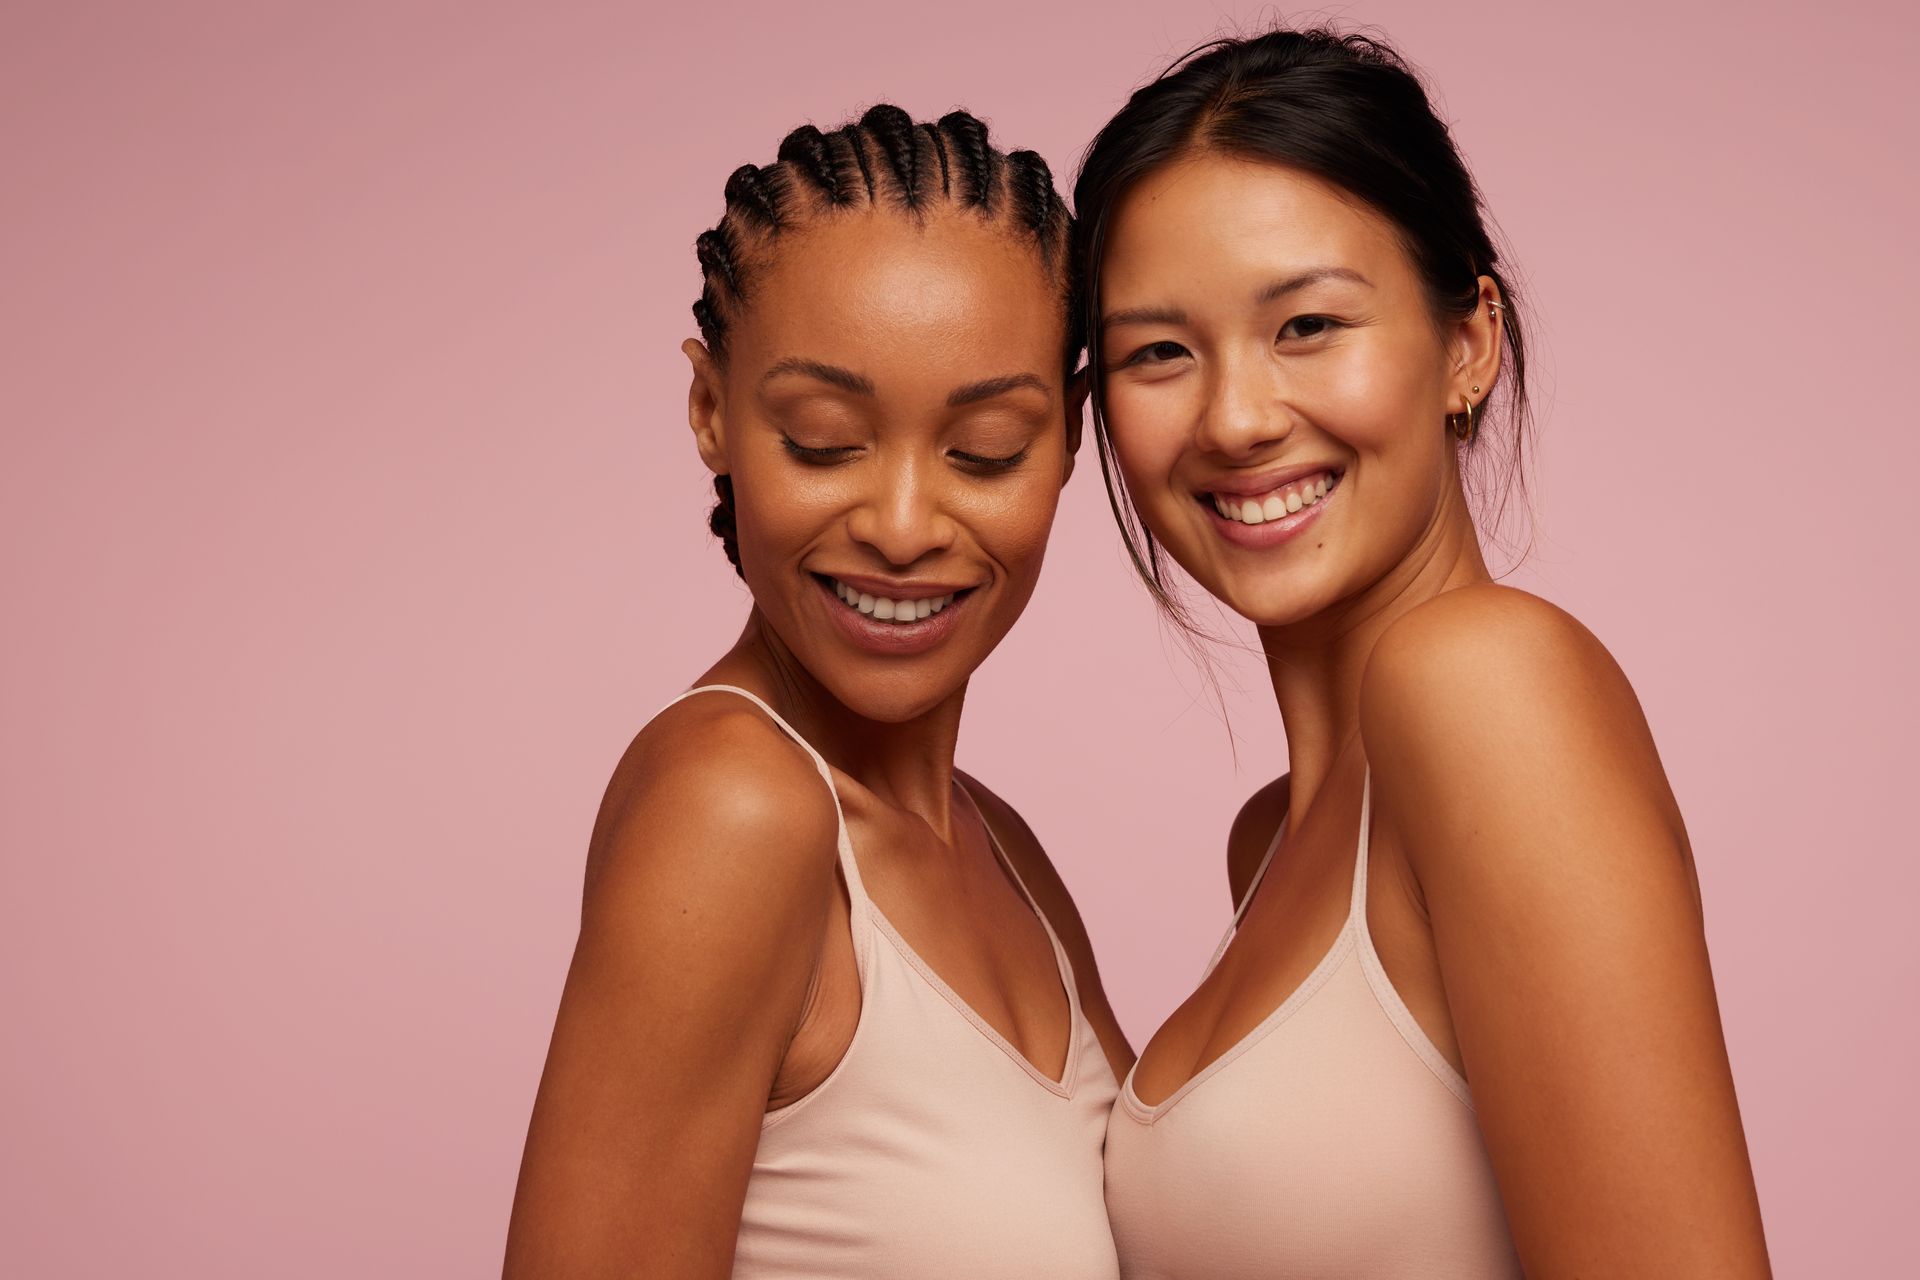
<point>1490,710</point>
<point>1484,640</point>
<point>1514,770</point>
<point>1253,832</point>
<point>1498,664</point>
<point>1043,881</point>
<point>713,791</point>
<point>709,888</point>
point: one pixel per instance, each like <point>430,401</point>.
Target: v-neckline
<point>1329,962</point>
<point>1068,1070</point>
<point>1063,970</point>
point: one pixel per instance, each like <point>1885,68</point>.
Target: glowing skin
<point>1291,339</point>
<point>896,422</point>
<point>1535,904</point>
<point>865,413</point>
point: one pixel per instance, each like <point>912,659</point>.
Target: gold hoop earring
<point>1464,431</point>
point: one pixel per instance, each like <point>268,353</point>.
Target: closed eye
<point>976,462</point>
<point>819,456</point>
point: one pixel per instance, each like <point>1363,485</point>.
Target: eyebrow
<point>988,388</point>
<point>1144,315</point>
<point>1278,289</point>
<point>1313,275</point>
<point>831,374</point>
<point>860,385</point>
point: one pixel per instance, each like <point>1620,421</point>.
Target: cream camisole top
<point>1334,1142</point>
<point>933,1149</point>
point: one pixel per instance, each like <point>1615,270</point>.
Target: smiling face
<point>895,419</point>
<point>1277,385</point>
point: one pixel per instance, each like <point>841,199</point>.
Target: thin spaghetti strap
<point>1246,899</point>
<point>1357,909</point>
<point>993,842</point>
<point>848,867</point>
<point>1062,962</point>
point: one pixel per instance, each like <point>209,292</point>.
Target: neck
<point>1317,664</point>
<point>907,764</point>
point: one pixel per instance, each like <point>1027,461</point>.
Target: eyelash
<point>990,466</point>
<point>1328,324</point>
<point>1141,356</point>
<point>818,457</point>
<point>833,454</point>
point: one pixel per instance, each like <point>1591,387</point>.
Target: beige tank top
<point>933,1149</point>
<point>1333,1141</point>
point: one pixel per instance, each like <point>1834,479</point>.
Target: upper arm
<point>708,891</point>
<point>1515,768</point>
<point>1253,832</point>
<point>1050,893</point>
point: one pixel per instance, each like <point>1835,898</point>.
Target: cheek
<point>778,513</point>
<point>1150,426</point>
<point>1011,521</point>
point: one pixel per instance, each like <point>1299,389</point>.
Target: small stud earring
<point>1476,391</point>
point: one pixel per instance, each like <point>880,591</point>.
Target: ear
<point>1476,345</point>
<point>706,406</point>
<point>1077,388</point>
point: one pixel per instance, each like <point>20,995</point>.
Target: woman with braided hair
<point>831,1012</point>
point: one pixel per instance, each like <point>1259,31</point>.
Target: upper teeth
<point>888,610</point>
<point>1285,500</point>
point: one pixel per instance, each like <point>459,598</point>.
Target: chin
<point>874,692</point>
<point>1276,602</point>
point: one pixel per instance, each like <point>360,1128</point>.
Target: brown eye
<point>1308,326</point>
<point>1155,353</point>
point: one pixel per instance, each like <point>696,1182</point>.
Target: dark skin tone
<point>891,407</point>
<point>1531,890</point>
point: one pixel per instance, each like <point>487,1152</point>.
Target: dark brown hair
<point>1344,108</point>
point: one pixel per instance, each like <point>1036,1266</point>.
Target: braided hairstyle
<point>882,159</point>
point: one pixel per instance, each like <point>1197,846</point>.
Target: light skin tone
<point>892,409</point>
<point>1531,892</point>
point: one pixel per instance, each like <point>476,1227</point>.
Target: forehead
<point>1209,219</point>
<point>947,293</point>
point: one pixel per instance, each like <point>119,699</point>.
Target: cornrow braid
<point>1035,203</point>
<point>939,145</point>
<point>805,151</point>
<point>818,174</point>
<point>970,146</point>
<point>893,130</point>
<point>755,193</point>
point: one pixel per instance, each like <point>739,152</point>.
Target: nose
<point>901,515</point>
<point>1246,410</point>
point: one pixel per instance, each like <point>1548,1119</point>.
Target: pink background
<point>349,528</point>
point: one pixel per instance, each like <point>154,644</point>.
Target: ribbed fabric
<point>1333,1142</point>
<point>934,1149</point>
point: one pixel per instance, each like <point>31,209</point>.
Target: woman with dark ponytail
<point>1464,1025</point>
<point>831,1013</point>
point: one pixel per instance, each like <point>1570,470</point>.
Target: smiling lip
<point>895,589</point>
<point>1247,486</point>
<point>893,639</point>
<point>1270,532</point>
